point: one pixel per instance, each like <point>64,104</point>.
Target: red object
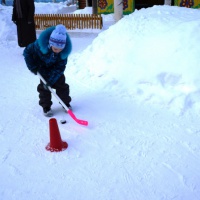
<point>79,121</point>
<point>56,143</point>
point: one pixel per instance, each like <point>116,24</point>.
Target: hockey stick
<point>79,121</point>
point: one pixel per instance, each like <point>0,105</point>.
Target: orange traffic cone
<point>56,143</point>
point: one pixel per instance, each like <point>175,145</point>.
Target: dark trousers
<point>62,90</point>
<point>26,33</point>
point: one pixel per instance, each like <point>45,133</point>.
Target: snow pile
<point>151,55</point>
<point>54,8</point>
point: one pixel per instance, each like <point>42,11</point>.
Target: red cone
<point>56,143</point>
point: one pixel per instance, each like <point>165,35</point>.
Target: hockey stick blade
<point>79,121</point>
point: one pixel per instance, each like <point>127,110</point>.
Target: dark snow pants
<point>62,90</point>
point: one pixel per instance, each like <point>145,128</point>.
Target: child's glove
<point>34,71</point>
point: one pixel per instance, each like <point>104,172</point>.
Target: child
<point>48,56</point>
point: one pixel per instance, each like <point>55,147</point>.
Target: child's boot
<point>47,112</point>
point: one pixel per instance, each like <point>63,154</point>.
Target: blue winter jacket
<point>50,65</point>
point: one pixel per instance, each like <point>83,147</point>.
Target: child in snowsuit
<point>48,56</point>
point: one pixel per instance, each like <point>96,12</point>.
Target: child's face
<point>56,50</point>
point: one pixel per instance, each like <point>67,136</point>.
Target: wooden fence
<point>70,21</point>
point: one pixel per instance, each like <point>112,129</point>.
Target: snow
<point>137,83</point>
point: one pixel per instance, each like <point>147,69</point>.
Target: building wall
<point>188,3</point>
<point>107,6</point>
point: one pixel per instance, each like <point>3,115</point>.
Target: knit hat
<point>58,37</point>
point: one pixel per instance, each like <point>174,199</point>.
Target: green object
<point>187,3</point>
<point>107,6</point>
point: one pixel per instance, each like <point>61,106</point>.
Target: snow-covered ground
<point>138,85</point>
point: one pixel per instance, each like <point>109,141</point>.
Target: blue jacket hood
<point>43,42</point>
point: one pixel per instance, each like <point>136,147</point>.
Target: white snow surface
<point>137,82</point>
